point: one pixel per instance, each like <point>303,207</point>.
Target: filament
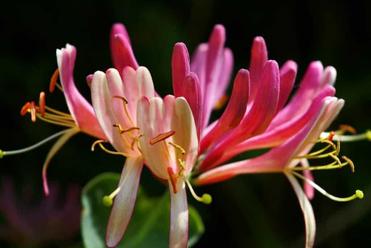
<point>32,147</point>
<point>205,198</point>
<point>100,143</point>
<point>358,193</point>
<point>108,199</point>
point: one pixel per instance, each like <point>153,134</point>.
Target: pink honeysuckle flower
<point>286,157</point>
<point>115,100</point>
<point>81,117</point>
<point>145,129</point>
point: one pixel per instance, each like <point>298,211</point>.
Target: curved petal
<point>81,111</point>
<point>124,202</point>
<point>103,106</point>
<point>259,56</point>
<point>121,50</point>
<point>234,111</point>
<point>55,148</point>
<point>287,80</point>
<point>178,217</point>
<point>306,208</point>
<point>180,68</point>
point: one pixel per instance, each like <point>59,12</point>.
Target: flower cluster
<point>173,137</point>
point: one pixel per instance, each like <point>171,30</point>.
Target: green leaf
<point>149,226</point>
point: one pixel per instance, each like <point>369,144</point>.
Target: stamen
<point>358,194</point>
<point>173,178</point>
<point>347,128</point>
<point>178,147</point>
<point>42,103</point>
<point>221,102</point>
<point>108,199</point>
<point>99,142</point>
<point>205,198</point>
<point>349,138</point>
<point>126,111</point>
<point>53,80</point>
<point>25,108</point>
<point>122,98</point>
<point>161,137</point>
<point>32,110</point>
<point>32,147</point>
<point>125,130</point>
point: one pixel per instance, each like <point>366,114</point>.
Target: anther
<point>42,103</point>
<point>25,108</point>
<point>161,137</point>
<point>53,80</point>
<point>350,163</point>
<point>221,102</point>
<point>33,112</point>
<point>122,98</point>
<point>205,198</point>
<point>178,147</point>
<point>172,178</point>
<point>347,128</point>
<point>108,199</point>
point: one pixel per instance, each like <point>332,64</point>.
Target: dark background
<point>248,211</point>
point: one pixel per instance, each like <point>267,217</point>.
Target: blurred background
<point>248,211</point>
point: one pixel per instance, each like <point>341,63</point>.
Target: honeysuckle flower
<point>145,129</point>
<point>259,115</point>
<point>81,116</point>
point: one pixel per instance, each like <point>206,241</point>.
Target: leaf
<point>149,226</point>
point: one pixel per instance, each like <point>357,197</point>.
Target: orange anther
<point>122,98</point>
<point>42,103</point>
<point>25,108</point>
<point>221,102</point>
<point>53,80</point>
<point>172,178</point>
<point>331,136</point>
<point>161,137</point>
<point>347,128</point>
<point>33,112</point>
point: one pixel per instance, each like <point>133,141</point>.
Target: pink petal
<point>198,64</point>
<point>124,202</point>
<point>104,109</point>
<point>259,56</point>
<point>121,50</point>
<point>256,120</point>
<point>302,99</point>
<point>178,217</point>
<point>279,134</point>
<point>234,111</point>
<point>306,208</point>
<point>81,111</point>
<point>225,74</point>
<point>55,148</point>
<point>180,68</point>
<point>287,80</point>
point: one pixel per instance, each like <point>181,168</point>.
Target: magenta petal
<point>259,56</point>
<point>234,111</point>
<point>215,48</point>
<point>180,68</point>
<point>193,96</point>
<point>178,237</point>
<point>256,120</point>
<point>124,202</point>
<point>225,74</point>
<point>287,80</point>
<point>80,109</point>
<point>121,50</point>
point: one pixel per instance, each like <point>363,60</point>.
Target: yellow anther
<point>2,153</point>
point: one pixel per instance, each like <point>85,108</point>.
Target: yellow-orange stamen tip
<point>53,80</point>
<point>25,108</point>
<point>42,103</point>
<point>350,163</point>
<point>331,136</point>
<point>161,137</point>
<point>221,102</point>
<point>122,98</point>
<point>347,128</point>
<point>33,112</point>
